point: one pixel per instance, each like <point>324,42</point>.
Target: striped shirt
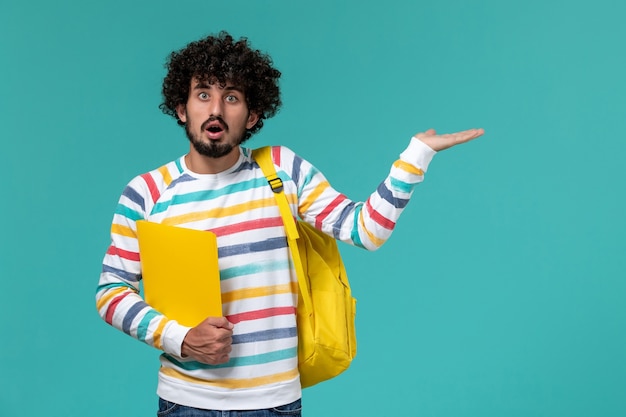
<point>258,283</point>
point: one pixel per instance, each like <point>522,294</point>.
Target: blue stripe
<point>247,166</point>
<point>113,285</point>
<point>297,166</point>
<point>142,330</point>
<point>134,196</point>
<point>130,316</point>
<point>182,178</point>
<point>259,359</point>
<point>262,358</point>
<point>179,166</point>
<point>355,228</point>
<point>401,186</point>
<point>254,247</point>
<point>206,195</point>
<point>272,334</point>
<point>125,275</point>
<point>307,179</point>
<point>386,194</point>
<point>128,213</point>
<point>253,268</point>
<point>347,210</point>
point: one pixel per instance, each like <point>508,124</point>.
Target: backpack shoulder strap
<point>263,157</point>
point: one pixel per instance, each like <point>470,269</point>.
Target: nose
<point>216,107</point>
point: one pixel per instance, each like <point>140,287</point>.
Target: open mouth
<point>214,129</point>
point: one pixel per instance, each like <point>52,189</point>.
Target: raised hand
<point>440,142</point>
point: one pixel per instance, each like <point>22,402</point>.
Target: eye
<point>203,96</point>
<point>231,98</point>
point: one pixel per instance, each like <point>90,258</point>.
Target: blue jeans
<point>170,409</point>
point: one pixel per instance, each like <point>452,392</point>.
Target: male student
<point>222,90</point>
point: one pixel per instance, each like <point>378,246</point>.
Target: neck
<point>201,164</point>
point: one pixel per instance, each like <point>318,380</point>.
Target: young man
<point>221,91</point>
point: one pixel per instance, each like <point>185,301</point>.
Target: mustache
<point>214,119</point>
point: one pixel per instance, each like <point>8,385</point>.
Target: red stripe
<point>329,208</point>
<point>276,155</point>
<point>261,314</point>
<point>379,218</point>
<point>154,191</point>
<point>115,251</point>
<point>112,306</point>
<point>249,225</point>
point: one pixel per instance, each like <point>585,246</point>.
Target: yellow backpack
<point>326,309</point>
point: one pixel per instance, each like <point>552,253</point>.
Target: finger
<point>470,134</point>
<point>215,359</point>
<point>461,137</point>
<point>223,359</point>
<point>429,132</point>
<point>474,133</point>
<point>221,322</point>
<point>225,337</point>
<point>477,132</point>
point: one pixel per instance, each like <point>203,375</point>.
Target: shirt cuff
<point>173,336</point>
<point>418,154</point>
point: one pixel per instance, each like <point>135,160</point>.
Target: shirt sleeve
<point>118,298</point>
<point>367,224</point>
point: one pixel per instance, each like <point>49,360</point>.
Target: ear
<point>252,119</point>
<point>181,111</point>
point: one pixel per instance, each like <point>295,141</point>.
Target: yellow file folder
<point>180,272</point>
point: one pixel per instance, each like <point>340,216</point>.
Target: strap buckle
<point>276,184</point>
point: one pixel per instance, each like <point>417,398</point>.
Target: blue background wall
<point>502,290</point>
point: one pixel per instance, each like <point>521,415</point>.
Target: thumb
<point>429,132</point>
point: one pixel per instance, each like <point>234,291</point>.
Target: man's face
<point>215,117</point>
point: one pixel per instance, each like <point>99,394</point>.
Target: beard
<point>212,149</point>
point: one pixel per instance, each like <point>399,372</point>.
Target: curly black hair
<point>222,59</point>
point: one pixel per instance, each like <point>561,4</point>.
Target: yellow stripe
<point>377,241</point>
<point>313,196</point>
<point>167,178</point>
<point>118,229</point>
<point>292,198</point>
<point>258,292</point>
<point>219,212</point>
<point>405,166</point>
<point>112,293</point>
<point>156,336</point>
<point>233,383</point>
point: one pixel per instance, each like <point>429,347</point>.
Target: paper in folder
<point>180,272</point>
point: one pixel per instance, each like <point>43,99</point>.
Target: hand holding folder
<point>180,272</point>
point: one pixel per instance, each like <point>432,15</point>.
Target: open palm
<point>441,142</point>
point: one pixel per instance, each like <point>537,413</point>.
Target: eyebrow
<point>203,85</point>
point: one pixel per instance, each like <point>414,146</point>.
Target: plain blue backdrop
<point>501,292</point>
